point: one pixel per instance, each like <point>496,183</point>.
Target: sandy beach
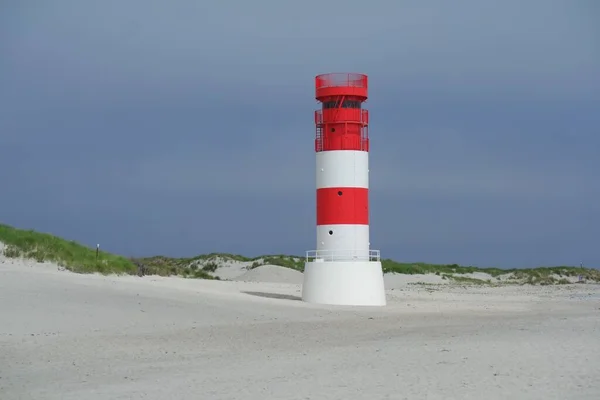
<point>72,336</point>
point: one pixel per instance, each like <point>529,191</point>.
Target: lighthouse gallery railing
<point>343,255</point>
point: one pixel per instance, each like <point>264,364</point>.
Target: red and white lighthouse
<point>343,269</point>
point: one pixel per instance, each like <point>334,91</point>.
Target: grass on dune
<point>205,264</point>
<point>83,259</point>
<point>424,268</point>
<point>534,276</point>
<point>70,254</point>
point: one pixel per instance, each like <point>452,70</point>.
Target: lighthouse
<point>343,270</point>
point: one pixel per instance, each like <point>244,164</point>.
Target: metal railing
<point>339,144</point>
<point>356,115</point>
<point>343,255</point>
<point>341,80</point>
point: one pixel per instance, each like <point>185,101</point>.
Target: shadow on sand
<point>274,295</point>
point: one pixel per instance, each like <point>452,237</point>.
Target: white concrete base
<point>352,283</point>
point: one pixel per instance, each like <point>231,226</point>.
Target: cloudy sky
<point>182,127</point>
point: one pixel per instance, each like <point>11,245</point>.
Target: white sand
<point>231,271</point>
<point>398,280</point>
<point>272,273</point>
<point>242,270</point>
<point>70,336</point>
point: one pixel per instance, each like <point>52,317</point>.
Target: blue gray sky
<point>183,127</point>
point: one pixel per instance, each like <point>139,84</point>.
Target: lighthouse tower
<point>343,270</point>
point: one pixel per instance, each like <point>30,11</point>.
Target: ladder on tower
<point>319,138</point>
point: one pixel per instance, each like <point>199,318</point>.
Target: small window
<point>340,193</point>
<point>345,104</point>
<point>331,232</point>
<point>351,104</point>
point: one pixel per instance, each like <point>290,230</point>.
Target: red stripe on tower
<point>343,206</point>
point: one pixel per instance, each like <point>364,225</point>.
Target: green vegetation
<point>204,265</point>
<point>466,279</point>
<point>79,258</point>
<point>533,276</point>
<point>293,262</point>
<point>423,268</point>
<point>72,255</point>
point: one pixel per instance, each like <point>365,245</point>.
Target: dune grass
<point>70,254</point>
<point>540,275</point>
<point>80,258</point>
<point>204,265</point>
<point>424,268</point>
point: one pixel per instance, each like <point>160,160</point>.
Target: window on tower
<point>351,104</point>
<point>345,104</point>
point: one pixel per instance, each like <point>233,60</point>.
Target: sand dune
<point>70,336</point>
<point>271,273</point>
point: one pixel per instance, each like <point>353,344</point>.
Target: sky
<point>184,127</point>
